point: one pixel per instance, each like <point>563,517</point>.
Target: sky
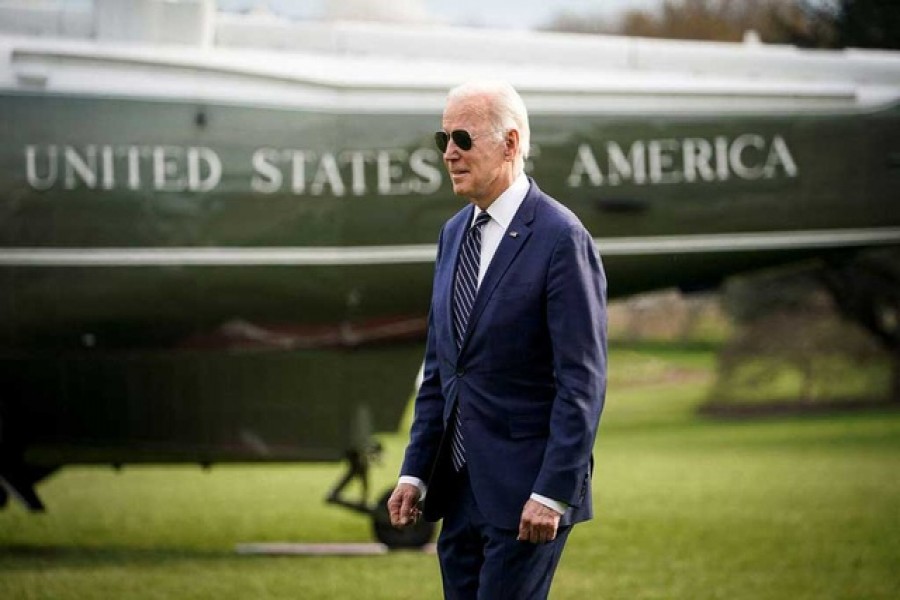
<point>515,14</point>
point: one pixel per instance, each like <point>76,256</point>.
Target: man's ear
<point>512,145</point>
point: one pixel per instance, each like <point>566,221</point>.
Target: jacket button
<point>460,372</point>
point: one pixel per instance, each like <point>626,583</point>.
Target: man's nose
<point>452,151</point>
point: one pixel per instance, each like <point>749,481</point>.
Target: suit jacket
<point>530,378</point>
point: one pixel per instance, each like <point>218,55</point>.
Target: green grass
<point>825,378</point>
<point>686,507</point>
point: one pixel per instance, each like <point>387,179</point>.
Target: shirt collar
<point>504,208</point>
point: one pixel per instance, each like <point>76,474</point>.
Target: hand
<point>402,505</point>
<point>538,524</point>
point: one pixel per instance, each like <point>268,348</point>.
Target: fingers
<point>409,513</point>
<point>538,524</point>
<point>402,505</point>
<point>394,503</point>
<point>537,533</point>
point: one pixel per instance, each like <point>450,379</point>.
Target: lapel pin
<point>514,234</point>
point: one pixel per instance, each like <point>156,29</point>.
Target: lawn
<point>688,508</point>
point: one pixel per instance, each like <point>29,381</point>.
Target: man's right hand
<point>402,505</point>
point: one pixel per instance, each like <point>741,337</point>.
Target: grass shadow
<point>27,556</point>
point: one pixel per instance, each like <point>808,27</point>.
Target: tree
<point>574,22</point>
<point>807,23</point>
<point>792,345</point>
<point>854,23</point>
<point>721,20</point>
<point>867,291</point>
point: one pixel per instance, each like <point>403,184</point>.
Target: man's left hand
<point>538,524</point>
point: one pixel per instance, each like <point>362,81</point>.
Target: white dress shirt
<point>502,210</point>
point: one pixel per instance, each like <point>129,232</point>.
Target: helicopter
<point>217,231</point>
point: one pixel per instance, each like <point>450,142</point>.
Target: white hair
<point>506,109</point>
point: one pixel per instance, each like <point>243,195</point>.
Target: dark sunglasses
<point>460,137</point>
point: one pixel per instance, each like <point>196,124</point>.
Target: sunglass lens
<point>462,139</point>
<point>441,139</point>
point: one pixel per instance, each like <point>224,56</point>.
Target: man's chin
<point>460,189</point>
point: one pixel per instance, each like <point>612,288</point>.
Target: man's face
<point>485,170</point>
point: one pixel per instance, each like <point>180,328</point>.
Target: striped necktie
<point>465,287</point>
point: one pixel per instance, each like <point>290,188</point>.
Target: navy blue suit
<point>530,376</point>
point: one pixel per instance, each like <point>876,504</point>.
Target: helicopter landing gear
<point>414,536</point>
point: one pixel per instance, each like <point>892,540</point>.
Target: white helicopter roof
<point>184,49</point>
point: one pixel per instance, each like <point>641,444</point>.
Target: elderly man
<point>515,364</point>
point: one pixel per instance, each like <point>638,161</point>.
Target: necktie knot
<point>482,218</point>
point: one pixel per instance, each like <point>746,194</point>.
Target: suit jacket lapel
<point>514,239</point>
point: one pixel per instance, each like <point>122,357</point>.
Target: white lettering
<point>671,160</point>
<point>357,162</point>
<point>780,154</point>
<point>213,167</point>
<point>534,152</point>
<point>659,153</point>
<point>267,178</point>
<point>327,174</point>
<point>165,169</point>
<point>106,159</point>
<point>585,164</point>
<point>31,171</point>
<point>736,155</point>
<point>631,167</point>
<point>298,169</point>
<point>697,153</point>
<point>86,167</point>
<point>133,156</point>
<point>396,171</point>
<point>389,172</point>
<point>423,162</point>
<point>722,158</point>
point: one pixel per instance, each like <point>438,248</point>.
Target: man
<point>515,364</point>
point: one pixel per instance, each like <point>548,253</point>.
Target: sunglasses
<point>461,138</point>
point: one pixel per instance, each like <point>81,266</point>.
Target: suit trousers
<point>482,562</point>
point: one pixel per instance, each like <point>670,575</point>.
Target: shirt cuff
<point>423,489</point>
<point>560,507</point>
